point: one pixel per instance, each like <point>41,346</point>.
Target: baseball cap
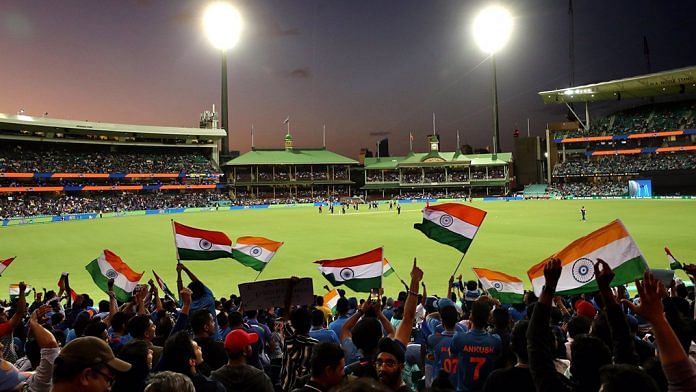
<point>90,351</point>
<point>585,308</point>
<point>238,339</point>
<point>443,303</point>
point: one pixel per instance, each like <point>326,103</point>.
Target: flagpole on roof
<point>324,136</point>
<point>252,136</point>
<point>433,123</point>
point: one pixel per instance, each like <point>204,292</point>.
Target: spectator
<point>236,375</point>
<point>169,382</point>
<point>86,364</point>
<point>327,365</point>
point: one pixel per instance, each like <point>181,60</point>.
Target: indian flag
<point>14,290</point>
<point>612,243</point>
<point>5,263</point>
<point>387,268</point>
<point>508,289</point>
<point>197,244</point>
<point>360,273</point>
<point>331,299</point>
<point>451,224</point>
<point>255,252</point>
<point>673,263</point>
<point>109,266</point>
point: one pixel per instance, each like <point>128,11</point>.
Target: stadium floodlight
<point>492,28</point>
<point>223,26</point>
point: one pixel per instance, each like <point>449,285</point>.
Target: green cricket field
<point>514,236</point>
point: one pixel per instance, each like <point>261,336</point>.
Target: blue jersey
<point>439,346</point>
<point>476,352</point>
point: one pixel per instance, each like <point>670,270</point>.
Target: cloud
<point>300,73</point>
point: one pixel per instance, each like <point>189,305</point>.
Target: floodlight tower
<point>223,26</point>
<point>492,28</point>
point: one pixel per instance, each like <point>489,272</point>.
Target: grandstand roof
<point>666,83</point>
<point>421,159</point>
<point>307,156</point>
<point>46,124</point>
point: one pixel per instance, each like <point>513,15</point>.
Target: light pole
<point>492,28</point>
<point>223,25</point>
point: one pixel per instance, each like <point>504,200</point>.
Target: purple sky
<point>358,66</point>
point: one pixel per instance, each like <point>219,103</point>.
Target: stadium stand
<point>438,173</point>
<point>535,191</point>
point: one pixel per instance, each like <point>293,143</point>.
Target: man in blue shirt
<point>439,345</point>
<point>476,350</point>
<point>318,331</point>
<point>342,308</point>
<point>202,297</point>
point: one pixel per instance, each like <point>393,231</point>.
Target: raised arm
<point>403,333</point>
<point>449,287</point>
<point>623,346</point>
<point>350,323</point>
<point>21,307</point>
<point>155,296</point>
<point>539,337</point>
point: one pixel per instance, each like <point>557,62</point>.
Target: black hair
<point>103,306</point>
<point>301,320</point>
<point>342,306</point>
<point>366,334</point>
<point>323,355</point>
<point>449,316</point>
<point>501,319</point>
<point>518,340</point>
<point>138,325</point>
<point>623,377</point>
<point>119,321</point>
<point>480,311</point>
<point>589,354</point>
<point>134,352</point>
<point>579,325</point>
<point>317,318</point>
<point>236,319</point>
<point>178,350</point>
<point>199,319</point>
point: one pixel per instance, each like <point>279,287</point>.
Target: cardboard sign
<point>271,293</point>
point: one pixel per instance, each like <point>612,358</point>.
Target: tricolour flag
<point>360,273</point>
<point>109,266</point>
<point>611,243</point>
<point>452,224</point>
<point>5,263</point>
<point>14,290</point>
<point>507,289</point>
<point>331,299</point>
<point>163,286</point>
<point>673,263</point>
<point>61,285</point>
<point>387,268</point>
<point>255,252</point>
<point>197,244</point>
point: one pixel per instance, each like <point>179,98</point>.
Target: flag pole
<point>178,260</point>
<point>259,274</point>
<point>459,264</point>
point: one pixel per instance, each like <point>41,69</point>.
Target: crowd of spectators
<point>23,159</point>
<point>586,189</point>
<point>408,340</point>
<point>643,119</point>
<point>281,175</point>
<point>26,205</point>
<point>625,164</point>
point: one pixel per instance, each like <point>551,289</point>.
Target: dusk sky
<point>360,67</point>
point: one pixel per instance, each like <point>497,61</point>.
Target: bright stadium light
<point>492,28</point>
<point>223,25</point>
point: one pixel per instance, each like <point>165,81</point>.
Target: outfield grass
<point>514,236</point>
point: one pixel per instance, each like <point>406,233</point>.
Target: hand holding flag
<point>673,263</point>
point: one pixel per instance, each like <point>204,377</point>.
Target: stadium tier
<point>306,173</point>
<point>438,173</point>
